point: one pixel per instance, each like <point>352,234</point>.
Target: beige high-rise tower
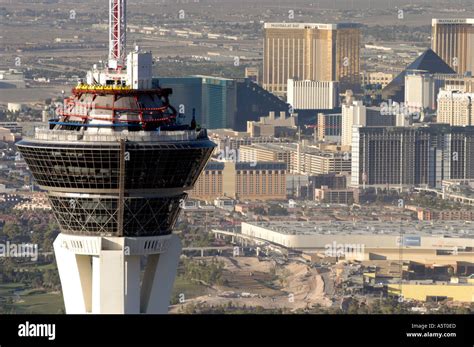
<point>309,51</point>
<point>453,41</point>
<point>455,108</point>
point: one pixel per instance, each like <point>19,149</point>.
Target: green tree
<point>12,231</point>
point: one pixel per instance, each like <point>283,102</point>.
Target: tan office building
<point>381,78</point>
<point>272,126</point>
<point>252,72</point>
<point>267,152</point>
<point>336,196</point>
<point>244,181</point>
<point>459,82</point>
<point>317,162</point>
<point>299,159</point>
<point>455,108</point>
<point>453,41</point>
<point>309,51</point>
<point>329,127</point>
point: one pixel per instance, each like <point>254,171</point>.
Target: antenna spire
<point>117,33</point>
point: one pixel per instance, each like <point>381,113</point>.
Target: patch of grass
<point>31,301</point>
<point>45,267</point>
<point>189,289</point>
<point>7,289</point>
<point>36,303</point>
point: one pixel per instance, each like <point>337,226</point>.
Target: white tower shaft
<point>117,33</point>
<point>101,275</point>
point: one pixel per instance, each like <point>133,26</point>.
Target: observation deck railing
<point>90,135</point>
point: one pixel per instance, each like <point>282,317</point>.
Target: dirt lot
<point>253,283</point>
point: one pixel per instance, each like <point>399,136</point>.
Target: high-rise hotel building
<point>453,40</point>
<point>455,107</point>
<point>309,51</point>
<point>403,157</point>
<point>313,95</point>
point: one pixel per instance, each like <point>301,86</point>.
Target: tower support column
<point>101,275</point>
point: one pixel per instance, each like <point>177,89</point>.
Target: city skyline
<point>187,160</point>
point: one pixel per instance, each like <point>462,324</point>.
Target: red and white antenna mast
<point>117,33</point>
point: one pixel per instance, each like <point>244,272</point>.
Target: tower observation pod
<point>116,166</point>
